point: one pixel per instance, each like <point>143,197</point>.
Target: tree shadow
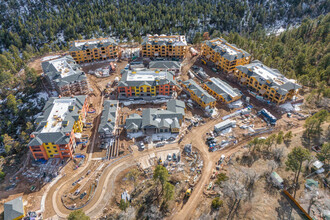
<point>284,210</point>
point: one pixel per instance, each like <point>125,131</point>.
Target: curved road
<point>105,189</point>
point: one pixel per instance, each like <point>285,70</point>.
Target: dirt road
<point>105,188</point>
<point>210,159</point>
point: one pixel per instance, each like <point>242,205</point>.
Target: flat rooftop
<point>176,39</point>
<point>58,113</point>
<point>64,66</point>
<point>229,51</point>
<point>146,76</point>
<point>79,43</point>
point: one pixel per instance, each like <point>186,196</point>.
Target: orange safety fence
<point>297,204</point>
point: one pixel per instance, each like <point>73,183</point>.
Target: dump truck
<point>267,116</point>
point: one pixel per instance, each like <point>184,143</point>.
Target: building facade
<point>164,46</point>
<point>198,94</point>
<point>54,136</point>
<point>158,120</point>
<point>146,83</point>
<point>267,82</point>
<point>65,76</point>
<point>225,56</point>
<point>93,49</point>
<point>221,90</point>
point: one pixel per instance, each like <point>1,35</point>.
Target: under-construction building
<point>66,76</point>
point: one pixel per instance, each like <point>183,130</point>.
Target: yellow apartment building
<point>164,46</point>
<point>221,90</point>
<point>93,49</point>
<point>225,56</point>
<point>198,94</point>
<point>267,82</point>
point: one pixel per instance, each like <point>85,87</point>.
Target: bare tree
<point>272,165</point>
<point>278,154</point>
<point>235,191</point>
<point>249,178</point>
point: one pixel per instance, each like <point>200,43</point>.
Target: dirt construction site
<point>95,179</point>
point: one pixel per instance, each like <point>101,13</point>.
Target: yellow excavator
<point>188,192</point>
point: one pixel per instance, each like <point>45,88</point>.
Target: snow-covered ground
<point>37,100</point>
<point>288,107</point>
<point>50,57</point>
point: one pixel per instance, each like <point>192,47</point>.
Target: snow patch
<point>50,57</point>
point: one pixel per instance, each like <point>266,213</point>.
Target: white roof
<point>146,76</point>
<point>60,110</point>
<point>226,48</point>
<point>318,164</point>
<point>62,66</point>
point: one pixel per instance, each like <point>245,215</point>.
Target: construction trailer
<point>224,125</point>
<point>276,180</point>
<point>267,116</point>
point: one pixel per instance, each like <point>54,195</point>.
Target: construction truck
<point>267,116</point>
<point>188,192</point>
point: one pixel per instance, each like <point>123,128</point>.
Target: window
<point>49,151</point>
<point>47,147</point>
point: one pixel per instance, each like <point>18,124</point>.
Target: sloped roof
<point>175,105</point>
<point>109,116</point>
<point>158,118</point>
<point>63,71</point>
<point>14,208</point>
<point>57,134</point>
<point>222,88</point>
<point>199,91</point>
<point>164,65</point>
<point>271,77</point>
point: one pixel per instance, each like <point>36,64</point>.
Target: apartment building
<point>93,49</point>
<point>221,90</point>
<point>108,124</point>
<point>198,94</point>
<point>146,84</point>
<point>164,46</point>
<point>267,82</point>
<point>54,136</point>
<point>65,76</point>
<point>225,56</point>
<point>158,120</point>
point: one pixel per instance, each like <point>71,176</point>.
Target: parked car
<point>174,157</point>
<point>169,157</point>
<point>141,146</point>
